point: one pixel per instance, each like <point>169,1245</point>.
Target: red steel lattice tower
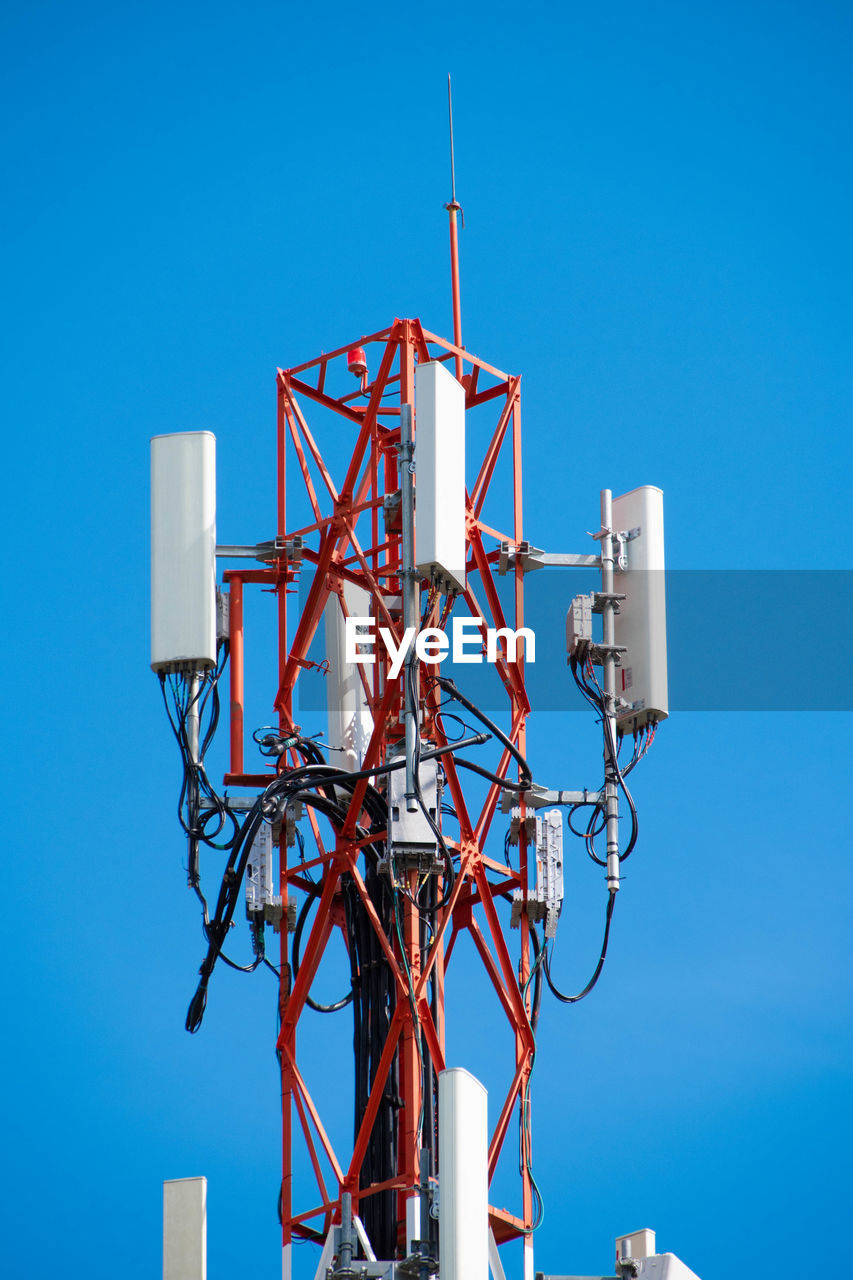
<point>355,538</point>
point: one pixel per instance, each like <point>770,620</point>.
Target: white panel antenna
<point>463,1163</point>
<point>440,476</point>
<point>640,625</point>
<point>185,1229</point>
<point>350,721</point>
<point>183,551</point>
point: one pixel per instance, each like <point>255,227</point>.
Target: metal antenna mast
<point>398,506</point>
<point>454,208</point>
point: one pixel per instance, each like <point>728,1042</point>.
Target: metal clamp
<point>602,598</point>
<point>600,652</point>
<point>621,537</point>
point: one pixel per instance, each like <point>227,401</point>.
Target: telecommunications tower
<point>418,821</point>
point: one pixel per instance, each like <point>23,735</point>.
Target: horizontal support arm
<point>532,558</point>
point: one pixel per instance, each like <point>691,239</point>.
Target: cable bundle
<point>372,991</point>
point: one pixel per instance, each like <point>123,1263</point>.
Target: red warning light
<point>357,362</point>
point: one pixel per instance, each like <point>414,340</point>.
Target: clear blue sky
<point>658,213</point>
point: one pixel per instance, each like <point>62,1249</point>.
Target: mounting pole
<point>193,716</point>
<point>608,606</point>
<point>453,208</point>
<point>345,1251</point>
<point>410,601</point>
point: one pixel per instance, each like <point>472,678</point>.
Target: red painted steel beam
<point>453,209</point>
<point>493,972</point>
<point>381,336</point>
<point>378,1085</point>
<point>390,953</point>
<point>469,855</point>
<point>312,1148</point>
<point>410,1056</point>
<point>467,356</point>
<point>319,397</point>
<point>235,658</point>
<point>370,415</point>
<point>302,1089</point>
<point>487,467</point>
<point>506,1226</point>
<point>482,397</point>
<point>320,930</point>
<point>314,605</point>
<point>522,1022</point>
<point>268,576</point>
<point>504,1118</point>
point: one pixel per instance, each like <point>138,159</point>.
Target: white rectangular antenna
<point>350,721</point>
<point>440,475</point>
<point>183,551</point>
<point>638,1244</point>
<point>463,1166</point>
<point>640,625</point>
<point>185,1229</point>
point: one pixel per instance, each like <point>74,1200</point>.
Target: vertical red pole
<point>453,208</point>
<point>392,483</point>
<point>235,656</point>
<point>524,967</point>
<point>410,1075</point>
<point>438,979</point>
<point>286,712</point>
<point>286,1170</point>
<point>281,441</point>
<point>285,715</point>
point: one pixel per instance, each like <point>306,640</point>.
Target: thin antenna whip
<point>452,162</point>
<point>453,208</point>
